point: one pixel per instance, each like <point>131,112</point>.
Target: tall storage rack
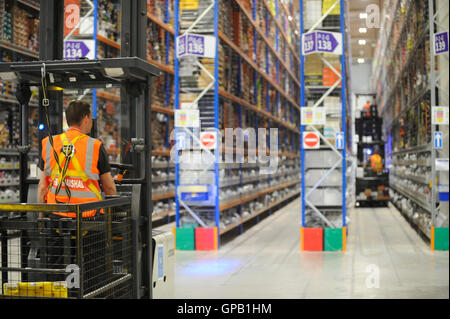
<point>406,84</point>
<point>252,82</point>
<point>324,169</point>
<point>19,24</point>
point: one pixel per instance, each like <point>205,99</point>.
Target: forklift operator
<point>81,166</point>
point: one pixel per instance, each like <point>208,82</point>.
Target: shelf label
<point>196,45</point>
<point>438,140</point>
<point>311,140</point>
<point>76,49</point>
<point>322,42</point>
<point>187,118</point>
<point>441,43</point>
<point>313,116</point>
<point>439,115</point>
<point>339,141</point>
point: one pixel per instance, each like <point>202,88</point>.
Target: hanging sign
<point>196,45</point>
<point>339,141</point>
<point>208,139</point>
<point>77,49</point>
<point>311,140</point>
<point>438,140</point>
<point>439,115</point>
<point>440,43</point>
<point>187,118</point>
<point>322,42</point>
<point>313,116</point>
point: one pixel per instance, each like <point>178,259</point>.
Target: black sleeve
<point>41,163</point>
<point>103,163</point>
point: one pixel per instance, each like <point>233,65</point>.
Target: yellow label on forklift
<point>56,289</point>
<point>59,289</point>
<point>11,289</point>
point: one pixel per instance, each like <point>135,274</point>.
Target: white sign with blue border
<point>438,140</point>
<point>339,141</point>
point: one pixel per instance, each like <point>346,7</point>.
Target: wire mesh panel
<point>66,251</point>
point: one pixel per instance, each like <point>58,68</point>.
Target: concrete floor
<point>385,258</point>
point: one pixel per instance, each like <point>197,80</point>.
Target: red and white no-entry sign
<point>209,139</point>
<point>311,140</point>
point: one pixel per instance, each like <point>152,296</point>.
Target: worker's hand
<point>108,184</point>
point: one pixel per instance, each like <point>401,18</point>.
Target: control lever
<point>123,168</point>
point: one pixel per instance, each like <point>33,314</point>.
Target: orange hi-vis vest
<point>82,175</point>
<point>376,163</point>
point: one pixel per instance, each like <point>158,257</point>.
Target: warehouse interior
<point>261,149</point>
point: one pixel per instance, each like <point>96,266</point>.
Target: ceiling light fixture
<point>362,42</point>
<point>362,30</point>
<point>363,15</point>
<point>361,60</point>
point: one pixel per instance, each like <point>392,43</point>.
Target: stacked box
<point>313,70</point>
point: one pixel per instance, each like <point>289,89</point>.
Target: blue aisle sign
<point>180,140</point>
<point>441,43</point>
<point>196,45</point>
<point>76,49</point>
<point>322,42</point>
<point>339,142</point>
<point>438,140</point>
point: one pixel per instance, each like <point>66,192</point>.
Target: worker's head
<point>78,114</point>
<point>376,150</point>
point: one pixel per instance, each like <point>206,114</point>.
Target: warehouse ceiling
<point>356,7</point>
<point>364,50</point>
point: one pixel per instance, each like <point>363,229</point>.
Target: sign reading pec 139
<point>441,43</point>
<point>322,42</point>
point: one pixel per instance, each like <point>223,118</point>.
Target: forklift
<point>127,215</point>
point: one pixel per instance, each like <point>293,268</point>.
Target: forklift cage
<point>92,257</point>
